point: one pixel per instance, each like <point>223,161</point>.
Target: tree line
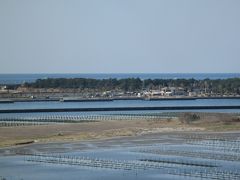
<point>231,85</point>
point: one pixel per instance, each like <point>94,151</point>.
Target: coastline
<point>76,99</point>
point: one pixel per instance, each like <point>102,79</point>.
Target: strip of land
<point>11,136</point>
<point>85,89</point>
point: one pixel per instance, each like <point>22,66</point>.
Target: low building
<point>3,88</point>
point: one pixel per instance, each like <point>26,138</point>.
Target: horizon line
<point>126,73</point>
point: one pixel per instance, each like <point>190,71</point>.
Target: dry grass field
<point>10,136</point>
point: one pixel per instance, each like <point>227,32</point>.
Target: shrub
<point>189,117</point>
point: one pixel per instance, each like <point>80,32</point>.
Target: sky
<point>119,36</point>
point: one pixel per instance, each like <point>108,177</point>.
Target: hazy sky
<point>112,36</point>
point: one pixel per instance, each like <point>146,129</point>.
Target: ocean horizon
<point>21,78</point>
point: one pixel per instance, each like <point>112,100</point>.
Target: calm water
<point>120,103</point>
<point>21,78</point>
<point>15,167</point>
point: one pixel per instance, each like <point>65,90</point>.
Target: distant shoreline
<point>111,99</point>
<point>85,89</point>
<point>19,78</point>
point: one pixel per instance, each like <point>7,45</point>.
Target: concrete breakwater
<point>118,109</point>
<point>6,101</point>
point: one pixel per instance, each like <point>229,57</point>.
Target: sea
<point>7,79</point>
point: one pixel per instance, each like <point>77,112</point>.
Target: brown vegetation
<point>106,129</point>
